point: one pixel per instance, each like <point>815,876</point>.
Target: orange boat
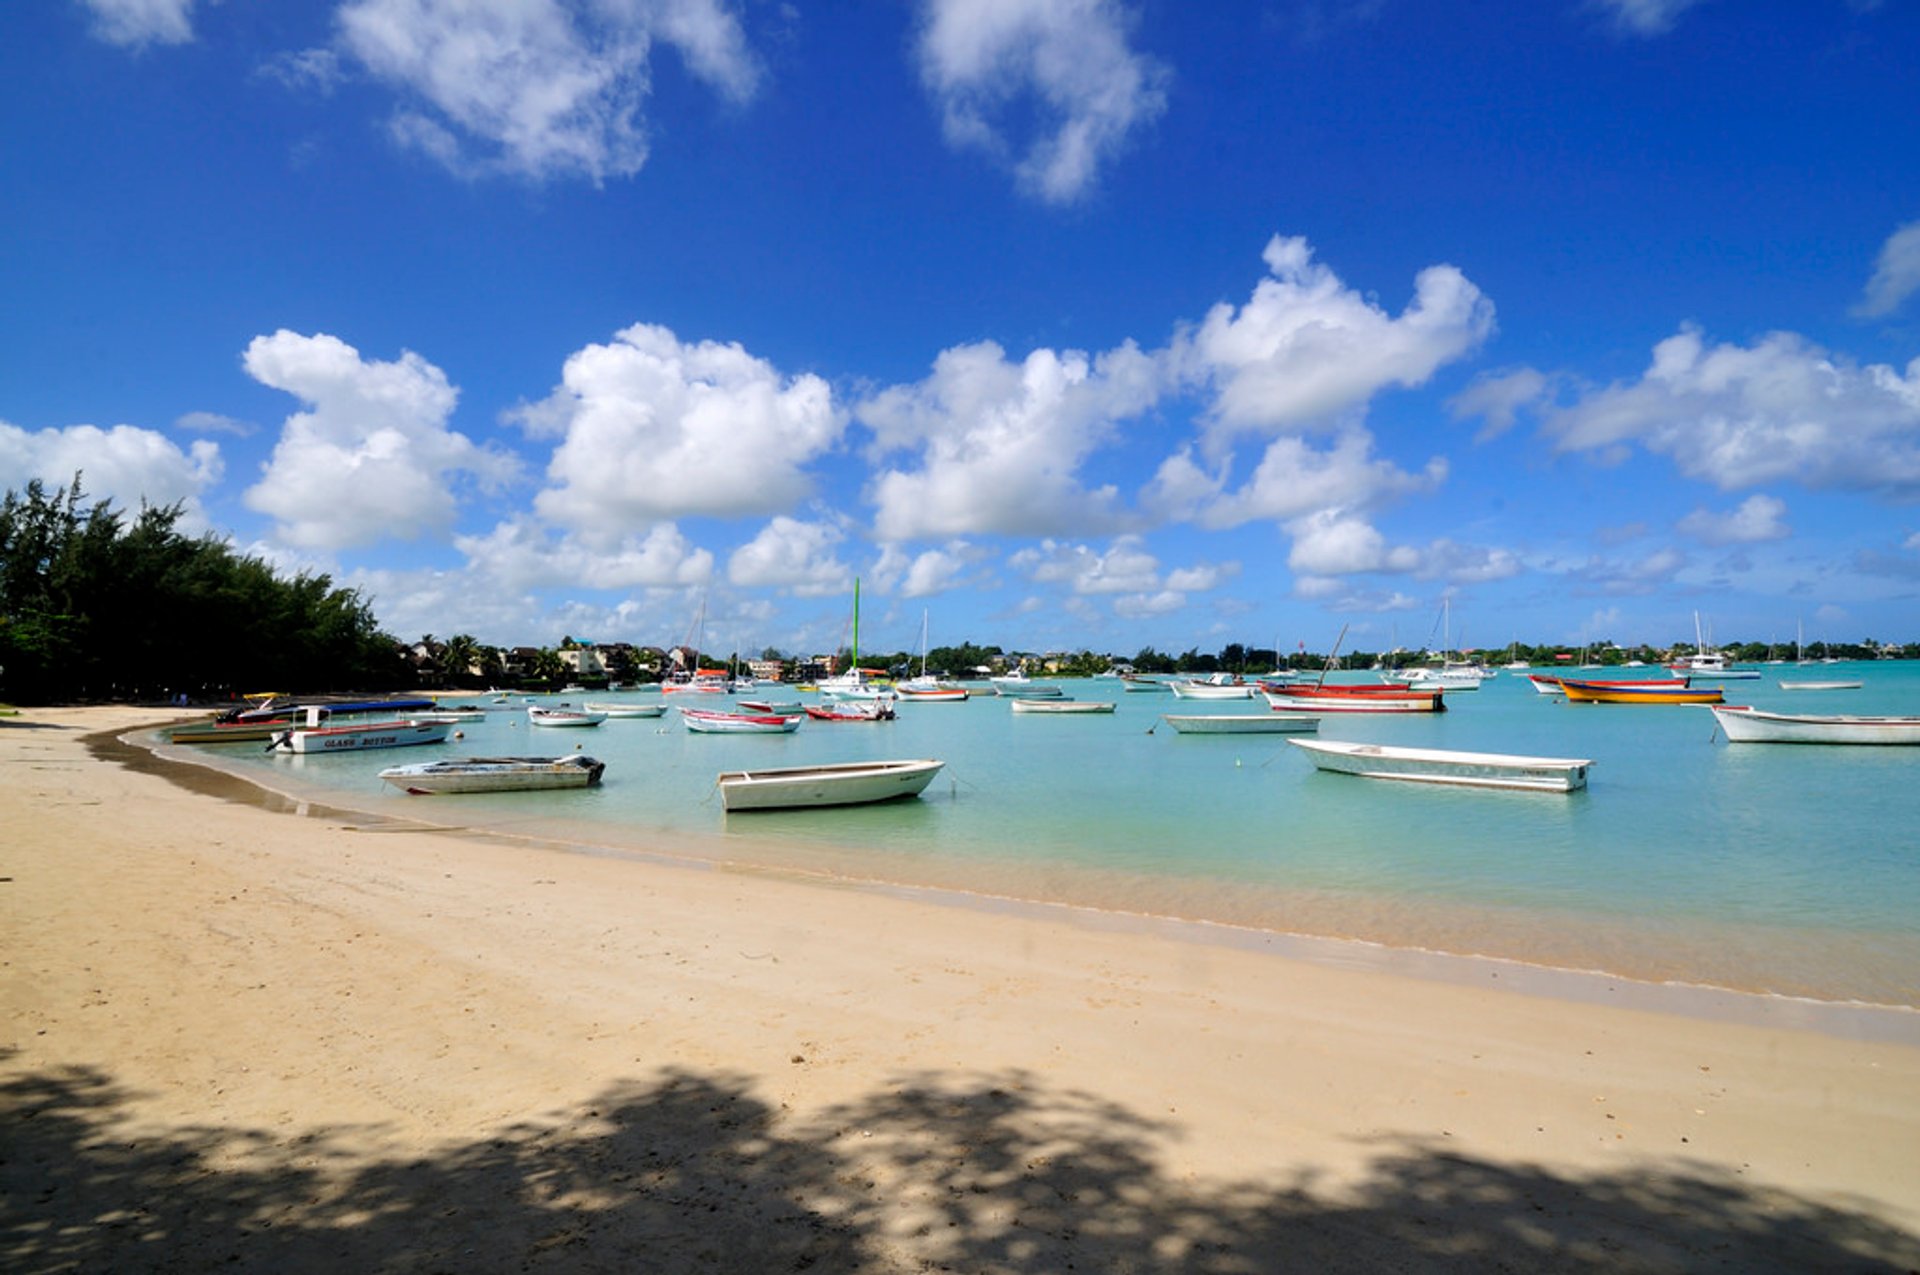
<point>1605,693</point>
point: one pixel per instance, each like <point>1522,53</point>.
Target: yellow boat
<point>1602,693</point>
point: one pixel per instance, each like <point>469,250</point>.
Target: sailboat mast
<point>856,627</point>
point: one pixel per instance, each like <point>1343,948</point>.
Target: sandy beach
<point>243,1037</point>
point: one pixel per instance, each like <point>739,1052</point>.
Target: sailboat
<point>1708,665</point>
<point>1450,674</point>
<point>853,683</point>
<point>925,689</point>
<point>710,681</point>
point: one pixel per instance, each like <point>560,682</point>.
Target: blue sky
<point>1064,323</point>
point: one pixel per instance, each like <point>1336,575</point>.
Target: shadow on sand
<point>694,1173</point>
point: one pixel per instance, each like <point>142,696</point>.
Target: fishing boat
<point>1745,725</point>
<point>1219,686</point>
<point>217,732</point>
<point>1242,723</point>
<point>1819,686</point>
<point>1061,704</point>
<point>1607,693</point>
<point>357,736</point>
<point>783,707</point>
<point>1354,699</point>
<point>870,710</point>
<point>495,774</point>
<point>1550,684</point>
<point>1017,683</point>
<point>845,784</point>
<point>931,691</point>
<point>1438,766</point>
<point>702,721</point>
<point>539,715</point>
<point>1142,685</point>
<point>626,710</point>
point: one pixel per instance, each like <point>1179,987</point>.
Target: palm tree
<point>457,658</point>
<point>548,667</point>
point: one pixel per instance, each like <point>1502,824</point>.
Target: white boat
<point>1753,726</point>
<point>538,715</point>
<point>1060,704</point>
<point>783,707</point>
<point>1819,686</point>
<point>1436,766</point>
<point>1311,699</point>
<point>846,784</point>
<point>349,737</point>
<point>1142,685</point>
<point>704,722</point>
<point>495,774</point>
<point>626,710</point>
<point>1242,723</point>
<point>1210,688</point>
<point>1706,664</point>
<point>1010,685</point>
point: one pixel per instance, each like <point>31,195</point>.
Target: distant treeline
<point>96,605</point>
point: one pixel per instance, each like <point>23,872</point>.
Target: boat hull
<point>1061,706</point>
<point>1752,726</point>
<point>563,717</point>
<point>801,787</point>
<point>706,723</point>
<point>495,774</point>
<point>357,738</point>
<point>1434,766</point>
<point>1602,693</point>
<point>1202,690</point>
<point>1383,700</point>
<point>1242,723</point>
<point>627,710</point>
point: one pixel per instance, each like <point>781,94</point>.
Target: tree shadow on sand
<point>694,1173</point>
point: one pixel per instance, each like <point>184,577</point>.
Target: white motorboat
<point>1437,766</point>
<point>1820,686</point>
<point>353,736</point>
<point>1753,726</point>
<point>845,784</point>
<point>538,715</point>
<point>1060,704</point>
<point>1242,723</point>
<point>704,722</point>
<point>495,774</point>
<point>626,710</point>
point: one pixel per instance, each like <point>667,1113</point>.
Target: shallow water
<point>1791,869</point>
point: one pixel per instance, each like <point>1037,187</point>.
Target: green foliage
<point>95,607</point>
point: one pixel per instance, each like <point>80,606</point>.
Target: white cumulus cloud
<point>541,88</point>
<point>1001,443</point>
<point>134,24</point>
<point>124,465</point>
<point>653,428</point>
<point>1307,350</point>
<point>519,554</point>
<point>1065,64</point>
<point>1294,478</point>
<point>1644,17</point>
<point>372,458</point>
<point>1779,410</point>
<point>794,557</point>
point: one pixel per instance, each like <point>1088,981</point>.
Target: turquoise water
<point>1792,869</point>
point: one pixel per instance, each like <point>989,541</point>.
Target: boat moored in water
<point>844,784</point>
<point>495,774</point>
<point>1354,699</point>
<point>538,715</point>
<point>1608,693</point>
<point>1747,725</point>
<point>1242,723</point>
<point>705,722</point>
<point>1439,766</point>
<point>1061,704</point>
<point>356,736</point>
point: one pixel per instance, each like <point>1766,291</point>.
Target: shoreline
<point>242,1039</point>
<point>1845,1017</point>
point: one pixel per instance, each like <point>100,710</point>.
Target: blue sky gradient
<point>1068,323</point>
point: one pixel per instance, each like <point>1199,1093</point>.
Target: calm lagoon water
<point>1788,869</point>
